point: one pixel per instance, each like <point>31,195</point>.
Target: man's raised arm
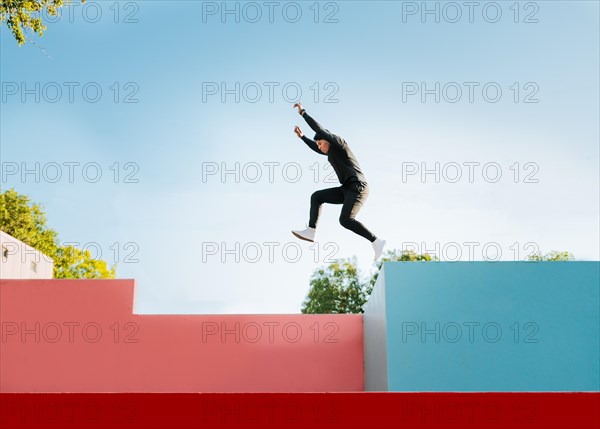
<point>310,143</point>
<point>316,127</point>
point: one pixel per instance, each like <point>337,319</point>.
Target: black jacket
<point>340,155</point>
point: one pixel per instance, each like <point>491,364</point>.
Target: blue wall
<point>484,326</point>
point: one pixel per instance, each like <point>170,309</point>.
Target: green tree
<point>336,288</point>
<point>340,287</point>
<point>21,15</point>
<point>551,256</point>
<point>26,221</point>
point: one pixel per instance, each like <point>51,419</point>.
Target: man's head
<point>322,143</point>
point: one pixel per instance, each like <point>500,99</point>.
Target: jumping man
<point>353,192</point>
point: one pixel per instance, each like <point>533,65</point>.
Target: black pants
<point>352,196</point>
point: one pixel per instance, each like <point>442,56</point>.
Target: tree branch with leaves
<point>23,15</point>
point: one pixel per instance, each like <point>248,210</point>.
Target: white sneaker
<point>378,245</point>
<point>307,234</point>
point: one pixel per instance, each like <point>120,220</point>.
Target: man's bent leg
<point>330,196</point>
<point>354,198</point>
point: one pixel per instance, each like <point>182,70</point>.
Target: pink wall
<point>81,336</point>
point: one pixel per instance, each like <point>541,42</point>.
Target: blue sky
<point>363,66</point>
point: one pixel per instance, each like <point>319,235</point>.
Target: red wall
<point>81,336</point>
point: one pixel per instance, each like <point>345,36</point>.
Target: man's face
<point>323,145</point>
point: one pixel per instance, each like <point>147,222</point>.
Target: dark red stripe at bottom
<point>301,410</point>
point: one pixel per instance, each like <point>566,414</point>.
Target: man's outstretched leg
<point>355,196</point>
<point>330,196</point>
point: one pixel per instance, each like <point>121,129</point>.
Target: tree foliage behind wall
<point>340,287</point>
<point>551,256</point>
<point>26,221</point>
<point>336,288</point>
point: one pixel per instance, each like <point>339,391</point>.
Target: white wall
<point>20,261</point>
